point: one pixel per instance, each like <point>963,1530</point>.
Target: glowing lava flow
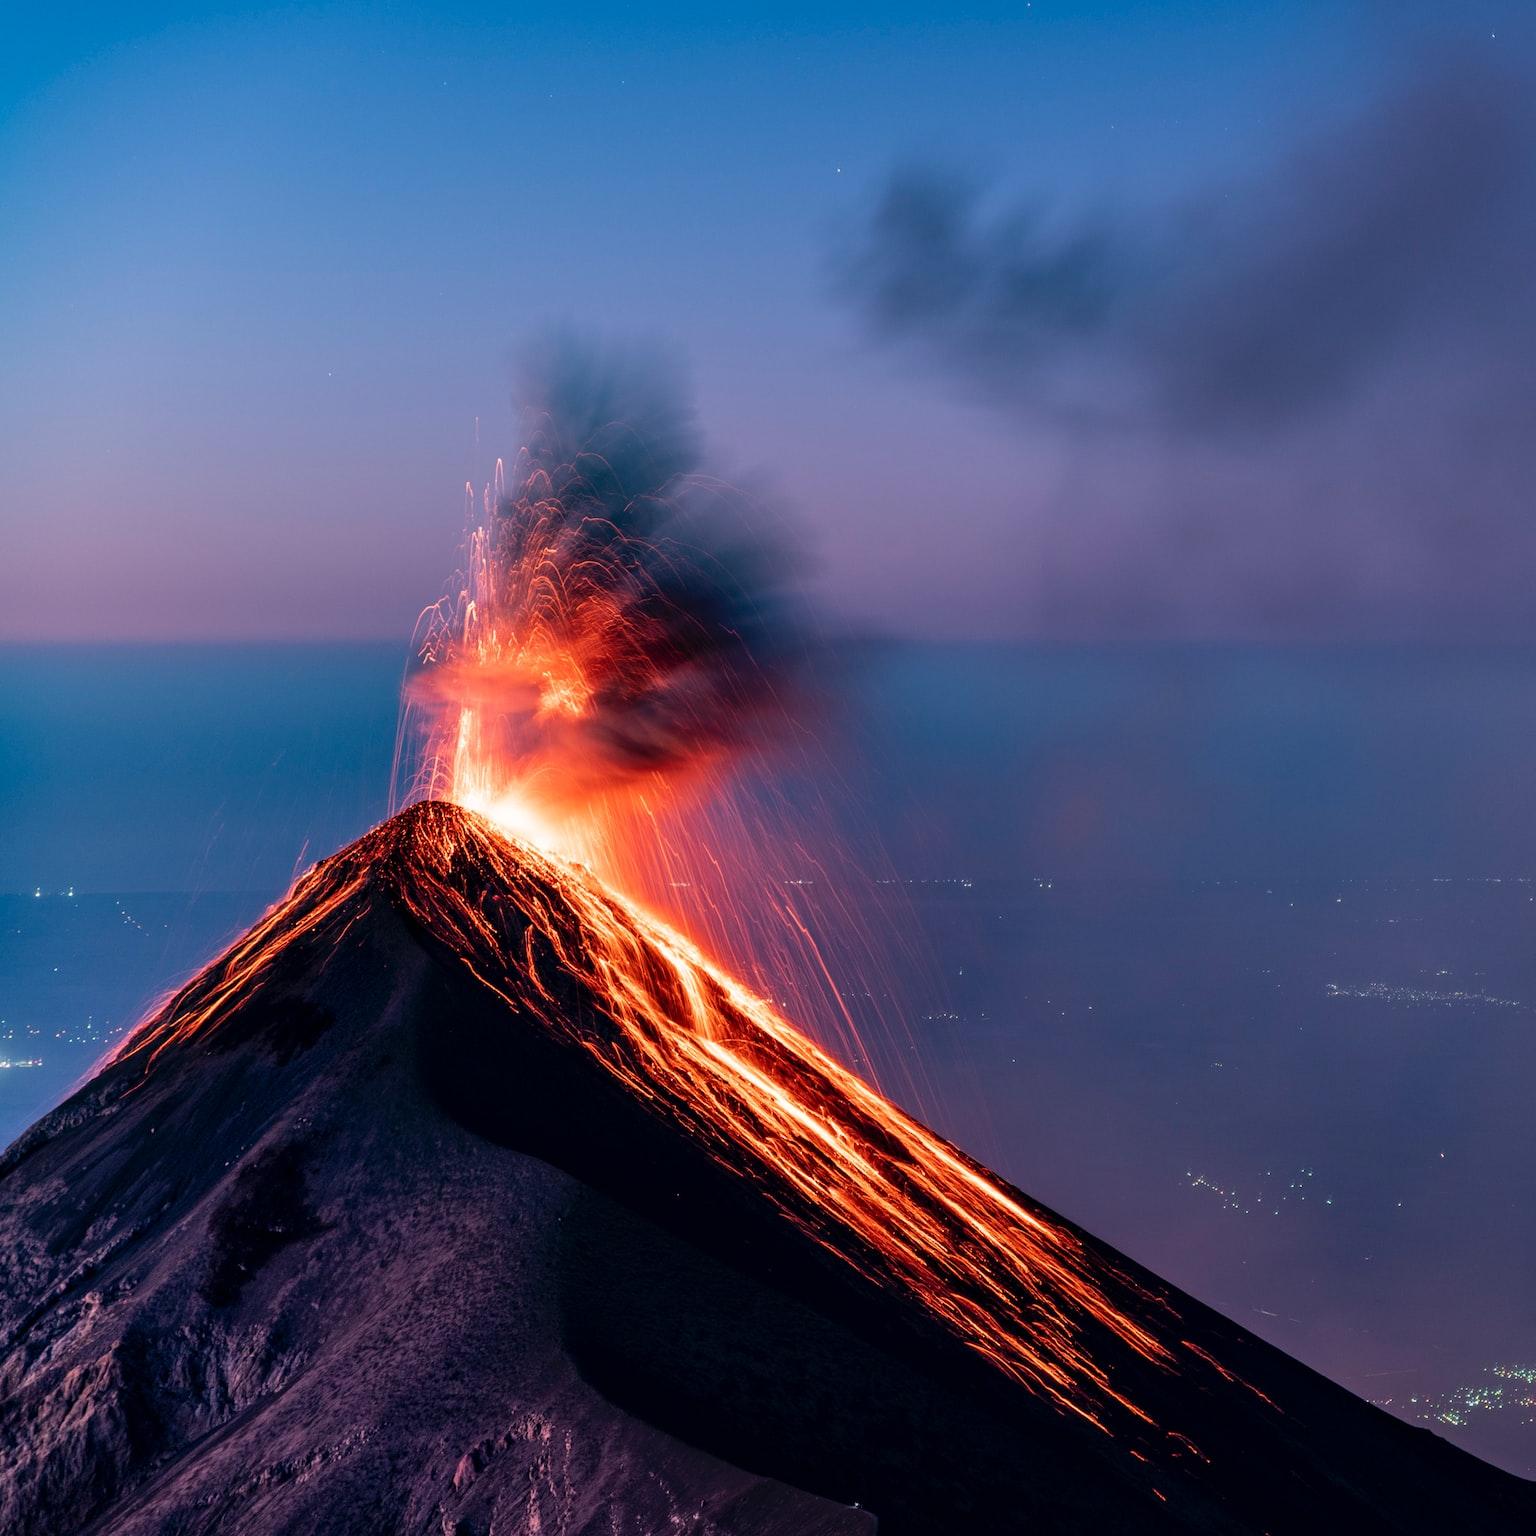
<point>858,1175</point>
<point>592,674</point>
<point>589,691</point>
<point>841,1161</point>
<point>602,686</point>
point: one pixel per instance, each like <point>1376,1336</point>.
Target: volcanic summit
<point>461,1197</point>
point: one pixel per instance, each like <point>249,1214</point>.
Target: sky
<point>1052,320</point>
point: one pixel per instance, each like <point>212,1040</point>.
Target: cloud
<point>1292,405</point>
<point>627,617</point>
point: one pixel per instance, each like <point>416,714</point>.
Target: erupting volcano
<point>460,1195</point>
<point>467,1193</point>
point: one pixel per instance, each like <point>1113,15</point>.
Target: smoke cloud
<point>1296,405</point>
<point>624,614</point>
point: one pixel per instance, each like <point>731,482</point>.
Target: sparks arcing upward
<point>618,635</point>
<point>594,667</point>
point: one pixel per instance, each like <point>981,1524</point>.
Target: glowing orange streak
<point>1225,1374</point>
<point>851,1170</point>
<point>306,910</point>
<point>1015,1287</point>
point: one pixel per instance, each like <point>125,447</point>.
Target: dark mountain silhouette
<point>424,1210</point>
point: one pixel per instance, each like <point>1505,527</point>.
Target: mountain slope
<point>460,1197</point>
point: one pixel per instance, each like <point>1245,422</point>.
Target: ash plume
<point>1246,309</point>
<point>1285,406</point>
<point>625,613</point>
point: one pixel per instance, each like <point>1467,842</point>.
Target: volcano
<point>461,1197</point>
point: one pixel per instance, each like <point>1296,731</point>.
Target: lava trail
<point>599,670</point>
<point>624,677</point>
<point>862,1178</point>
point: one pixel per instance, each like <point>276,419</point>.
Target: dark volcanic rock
<point>368,1252</point>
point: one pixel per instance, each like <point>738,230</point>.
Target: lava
<point>618,636</point>
<point>852,1170</point>
<point>581,700</point>
<point>621,678</point>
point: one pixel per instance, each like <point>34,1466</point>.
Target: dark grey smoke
<point>614,466</point>
<point>1248,308</point>
<point>1296,403</point>
<point>609,545</point>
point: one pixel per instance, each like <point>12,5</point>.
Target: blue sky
<point>263,268</point>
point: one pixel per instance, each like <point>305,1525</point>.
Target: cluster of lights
<point>1509,1389</point>
<point>1418,997</point>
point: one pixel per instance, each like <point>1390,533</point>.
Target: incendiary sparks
<point>596,674</point>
